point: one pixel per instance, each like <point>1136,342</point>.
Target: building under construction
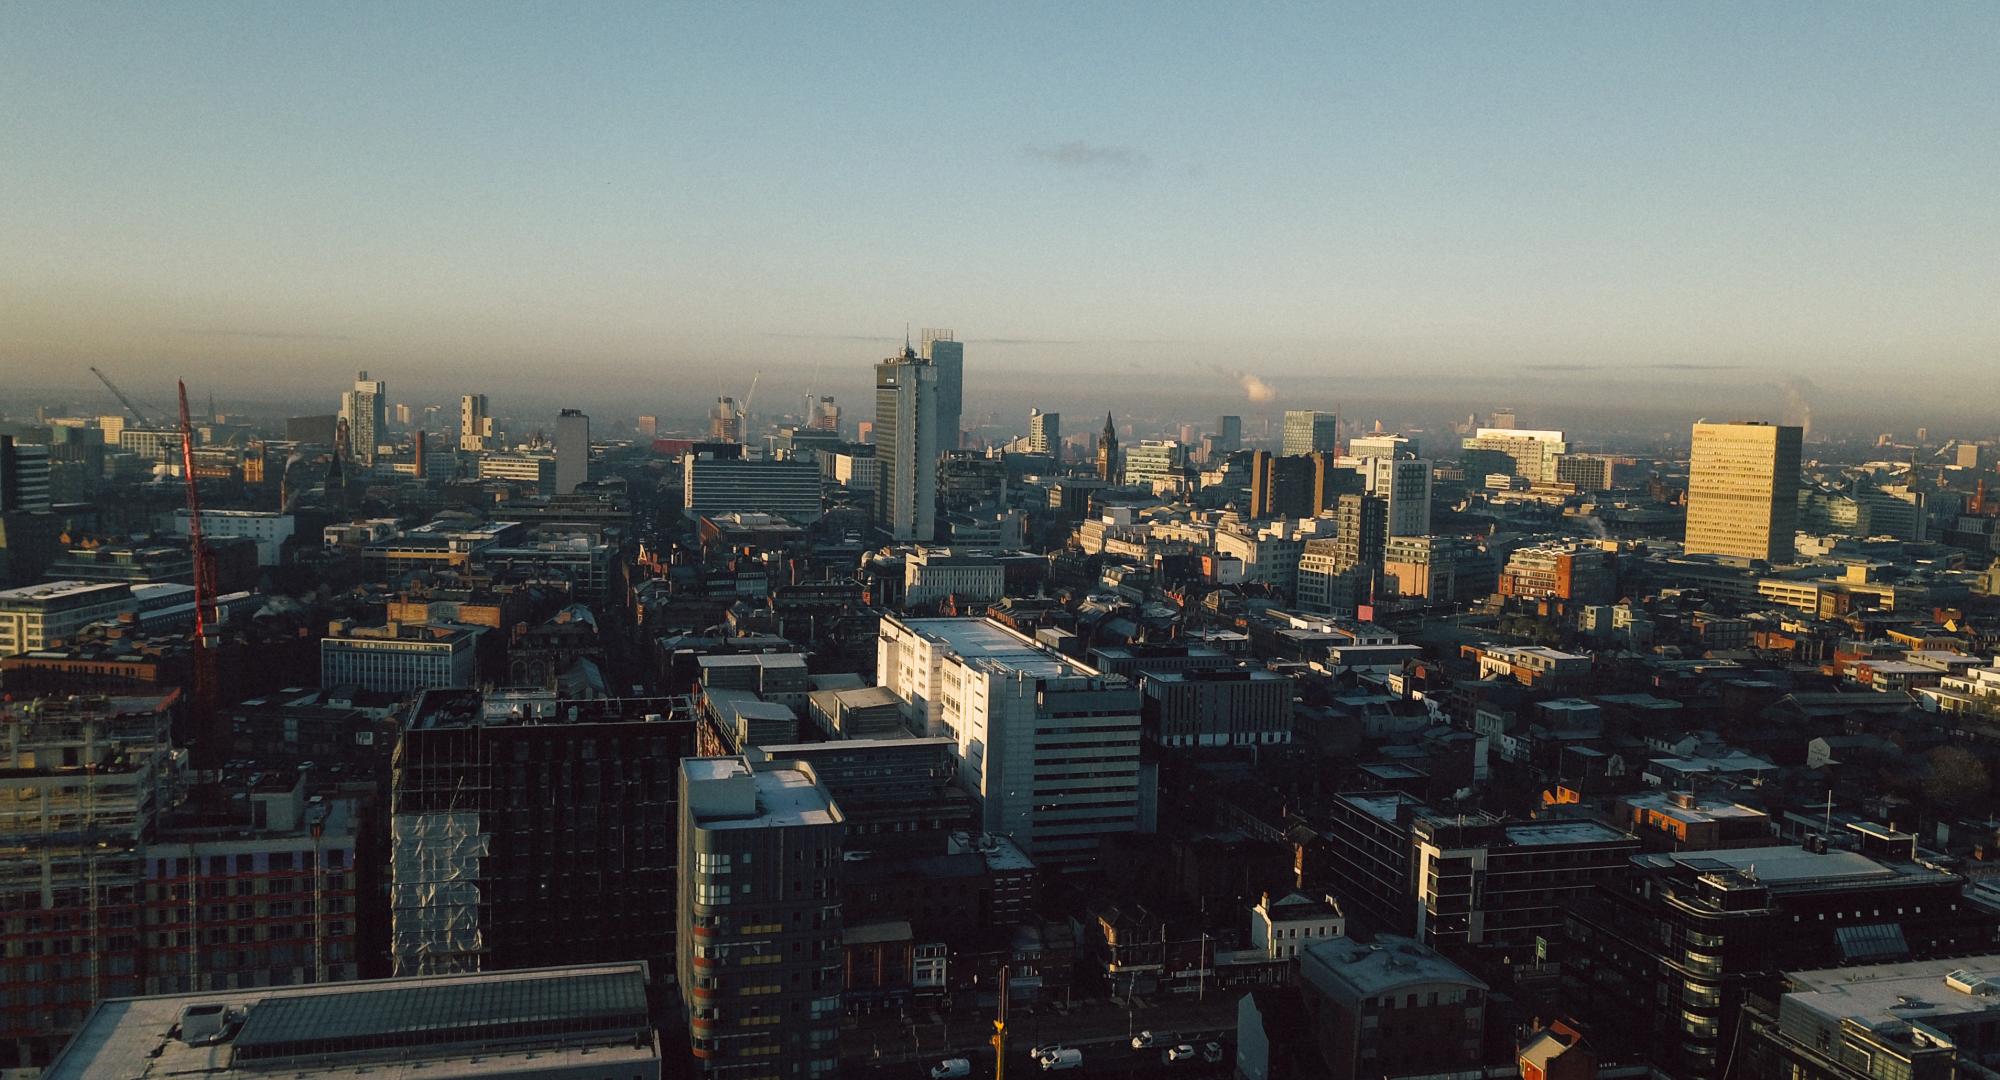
<point>82,783</point>
<point>528,831</point>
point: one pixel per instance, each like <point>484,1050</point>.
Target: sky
<point>1458,204</point>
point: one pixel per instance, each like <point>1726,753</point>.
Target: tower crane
<point>204,584</point>
<point>122,399</point>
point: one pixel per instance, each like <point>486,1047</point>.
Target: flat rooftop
<point>1382,805</point>
<point>1787,864</point>
<point>1702,810</point>
<point>503,1023</point>
<point>1909,990</point>
<point>52,590</point>
<point>1551,833</point>
<point>1389,962</point>
<point>981,639</point>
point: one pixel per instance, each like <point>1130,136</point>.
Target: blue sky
<point>546,194</point>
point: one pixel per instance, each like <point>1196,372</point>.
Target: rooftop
<point>973,640</point>
<point>1785,865</point>
<point>1538,833</point>
<point>479,1024</point>
<point>1389,962</point>
<point>1910,990</point>
<point>53,590</point>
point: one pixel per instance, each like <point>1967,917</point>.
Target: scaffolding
<point>434,861</point>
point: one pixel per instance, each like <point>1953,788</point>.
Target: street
<point>883,1047</point>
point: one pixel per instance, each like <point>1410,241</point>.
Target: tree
<point>1957,778</point>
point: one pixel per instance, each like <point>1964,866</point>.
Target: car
<point>1044,1050</point>
<point>951,1068</point>
<point>1060,1059</point>
<point>1145,1039</point>
<point>1211,1052</point>
<point>1183,1052</point>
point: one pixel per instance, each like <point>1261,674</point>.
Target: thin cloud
<point>1077,154</point>
<point>1562,367</point>
<point>1662,366</point>
<point>265,335</point>
<point>1692,367</point>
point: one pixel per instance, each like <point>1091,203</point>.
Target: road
<point>1100,1031</point>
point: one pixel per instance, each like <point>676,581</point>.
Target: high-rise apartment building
<point>475,424</point>
<point>943,349</point>
<point>907,433</point>
<point>1048,746</point>
<point>1045,433</point>
<point>1531,455</point>
<point>572,450</point>
<point>365,408</point>
<point>714,485</point>
<point>1308,432</point>
<point>1743,485</point>
<point>760,917</point>
<point>725,421</point>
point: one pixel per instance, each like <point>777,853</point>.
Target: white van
<point>1057,1060</point>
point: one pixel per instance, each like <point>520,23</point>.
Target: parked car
<point>1060,1059</point>
<point>1144,1040</point>
<point>1183,1052</point>
<point>1044,1050</point>
<point>1211,1052</point>
<point>951,1069</point>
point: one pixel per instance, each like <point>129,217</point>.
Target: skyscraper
<point>649,426</point>
<point>24,477</point>
<point>1228,434</point>
<point>365,408</point>
<point>1743,485</point>
<point>948,353</point>
<point>824,415</point>
<point>906,436</point>
<point>572,450</point>
<point>1307,432</point>
<point>1404,485</point>
<point>1045,433</point>
<point>475,424</point>
<point>1107,452</point>
<point>1529,454</point>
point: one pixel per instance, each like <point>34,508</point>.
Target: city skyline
<point>1583,200</point>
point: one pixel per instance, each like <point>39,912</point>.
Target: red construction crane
<point>204,591</point>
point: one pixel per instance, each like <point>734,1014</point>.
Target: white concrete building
<point>1048,746</point>
<point>932,573</point>
<point>269,528</point>
<point>36,616</point>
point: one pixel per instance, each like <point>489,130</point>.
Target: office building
<point>713,485</point>
<point>1157,464</point>
<point>1917,1020</point>
<point>1196,708</point>
<point>760,910</point>
<point>37,616</point>
<point>1107,452</point>
<point>365,408</point>
<point>1048,746</point>
<point>907,438</point>
<point>1228,434</point>
<point>572,450</point>
<point>931,574</point>
<point>561,1023</point>
<point>1485,882</point>
<point>1434,568</point>
<point>1694,934</point>
<point>1045,433</point>
<point>1563,576</point>
<point>268,529</point>
<point>506,821</point>
<point>1404,486</point>
<point>1588,472</point>
<point>151,445</point>
<point>1309,432</point>
<point>1743,484</point>
<point>475,424</point>
<point>395,658</point>
<point>947,353</point>
<point>24,477</point>
<point>1382,446</point>
<point>1529,454</point>
<point>525,467</point>
<point>725,421</point>
<point>1288,487</point>
<point>1390,1007</point>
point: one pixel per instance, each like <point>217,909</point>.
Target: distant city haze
<point>1654,213</point>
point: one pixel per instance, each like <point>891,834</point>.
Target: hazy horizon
<point>1437,209</point>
